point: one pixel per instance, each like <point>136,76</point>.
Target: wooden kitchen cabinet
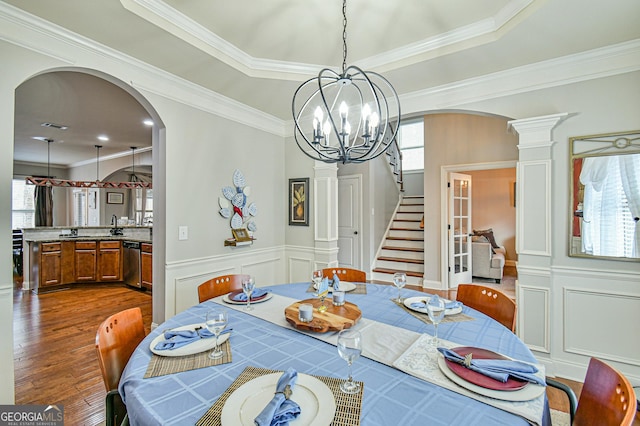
<point>146,265</point>
<point>86,261</point>
<point>50,264</point>
<point>110,264</point>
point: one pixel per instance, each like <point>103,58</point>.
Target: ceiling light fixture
<point>103,138</point>
<point>148,122</point>
<point>347,117</point>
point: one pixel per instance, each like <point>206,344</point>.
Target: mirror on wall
<point>605,196</point>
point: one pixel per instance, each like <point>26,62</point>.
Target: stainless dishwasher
<point>132,273</point>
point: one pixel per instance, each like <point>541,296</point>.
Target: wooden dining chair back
<point>345,274</point>
<point>489,301</point>
<point>116,339</point>
<point>220,285</point>
<point>607,398</point>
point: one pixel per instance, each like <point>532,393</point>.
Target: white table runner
<point>396,347</point>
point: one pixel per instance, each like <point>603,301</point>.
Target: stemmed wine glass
<point>435,310</point>
<point>248,284</point>
<point>216,322</point>
<point>317,281</point>
<point>399,280</point>
<point>349,349</point>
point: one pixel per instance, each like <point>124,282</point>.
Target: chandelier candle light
<point>349,113</point>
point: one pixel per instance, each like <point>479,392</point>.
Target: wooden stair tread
<point>407,220</point>
<point>401,259</point>
<point>406,229</point>
<point>415,249</point>
<point>393,271</point>
<point>406,238</point>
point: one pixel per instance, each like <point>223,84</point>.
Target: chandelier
<point>345,117</point>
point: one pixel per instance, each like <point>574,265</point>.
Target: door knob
<point>355,232</point>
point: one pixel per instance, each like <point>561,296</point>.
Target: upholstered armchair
<point>486,263</point>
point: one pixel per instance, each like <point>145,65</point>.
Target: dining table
<point>395,390</point>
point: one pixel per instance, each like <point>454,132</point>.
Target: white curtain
<point>611,201</point>
<point>630,175</point>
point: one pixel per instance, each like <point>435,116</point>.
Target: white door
<point>458,228</point>
<point>349,233</point>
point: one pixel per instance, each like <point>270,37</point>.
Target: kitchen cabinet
<point>51,264</point>
<point>146,265</point>
<point>86,261</point>
<point>110,261</point>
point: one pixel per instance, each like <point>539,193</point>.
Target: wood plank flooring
<point>54,347</point>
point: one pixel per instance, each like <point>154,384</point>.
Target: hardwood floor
<point>54,347</point>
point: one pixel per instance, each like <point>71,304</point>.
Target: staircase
<point>403,247</point>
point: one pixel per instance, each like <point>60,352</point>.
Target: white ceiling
<point>258,51</point>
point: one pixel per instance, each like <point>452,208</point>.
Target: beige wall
<point>492,205</point>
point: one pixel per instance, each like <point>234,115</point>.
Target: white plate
<point>316,401</point>
<point>527,393</point>
<point>344,286</point>
<point>196,347</point>
<point>409,300</point>
<point>226,299</point>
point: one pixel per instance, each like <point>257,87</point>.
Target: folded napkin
<point>323,286</point>
<point>449,305</point>
<point>174,339</point>
<point>257,292</point>
<point>280,410</point>
<point>498,369</point>
<point>336,282</point>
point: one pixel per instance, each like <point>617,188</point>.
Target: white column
<point>325,197</point>
<point>533,229</point>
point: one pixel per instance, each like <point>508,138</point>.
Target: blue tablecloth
<point>391,397</point>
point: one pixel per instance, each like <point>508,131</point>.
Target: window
<point>22,205</point>
<point>411,141</point>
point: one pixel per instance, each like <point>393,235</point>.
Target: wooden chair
<point>220,285</point>
<point>345,274</point>
<point>116,339</point>
<point>490,302</point>
<point>607,397</point>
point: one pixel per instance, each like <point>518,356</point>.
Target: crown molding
<point>34,34</point>
<point>173,21</point>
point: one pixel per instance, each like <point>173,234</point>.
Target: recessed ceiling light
<point>103,138</point>
<point>148,122</point>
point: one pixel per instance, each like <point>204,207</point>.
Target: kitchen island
<point>58,257</point>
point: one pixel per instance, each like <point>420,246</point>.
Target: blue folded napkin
<point>336,282</point>
<point>174,339</point>
<point>257,292</point>
<point>498,369</point>
<point>449,305</point>
<point>323,286</point>
<point>280,411</point>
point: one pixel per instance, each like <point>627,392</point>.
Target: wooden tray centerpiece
<point>335,318</point>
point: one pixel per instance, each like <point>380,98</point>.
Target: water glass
<point>248,284</point>
<point>216,321</point>
<point>349,349</point>
<point>399,280</point>
<point>435,310</point>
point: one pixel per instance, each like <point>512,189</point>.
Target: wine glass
<point>216,322</point>
<point>349,349</point>
<point>399,280</point>
<point>248,284</point>
<point>435,310</point>
<point>317,281</point>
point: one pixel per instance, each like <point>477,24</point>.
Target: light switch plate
<point>183,233</point>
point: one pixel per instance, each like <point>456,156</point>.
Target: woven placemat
<point>162,365</point>
<point>361,288</point>
<point>348,407</point>
<point>425,318</point>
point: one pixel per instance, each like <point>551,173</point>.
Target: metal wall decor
<point>234,204</point>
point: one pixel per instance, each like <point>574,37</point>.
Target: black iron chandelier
<point>345,117</point>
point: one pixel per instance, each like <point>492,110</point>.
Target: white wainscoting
<point>270,266</point>
<point>533,317</point>
<point>533,213</point>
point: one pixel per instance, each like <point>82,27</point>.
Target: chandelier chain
<point>344,36</point>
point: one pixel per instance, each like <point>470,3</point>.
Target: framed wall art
<point>115,198</point>
<point>299,201</point>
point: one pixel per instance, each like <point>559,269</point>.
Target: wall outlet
<point>183,233</point>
